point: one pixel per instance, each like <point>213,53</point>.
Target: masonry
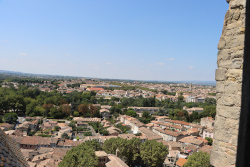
<point>229,85</point>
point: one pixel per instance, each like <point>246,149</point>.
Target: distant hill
<point>21,74</point>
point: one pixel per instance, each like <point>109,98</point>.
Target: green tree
<point>55,113</point>
<point>198,159</point>
<point>153,153</point>
<point>82,155</point>
<point>57,128</point>
<point>180,98</point>
<point>10,118</point>
<point>133,151</point>
<point>210,101</point>
<point>146,114</point>
<point>210,140</point>
<point>31,107</point>
<point>131,112</point>
<point>65,136</point>
<point>72,125</point>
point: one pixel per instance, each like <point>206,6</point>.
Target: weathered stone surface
<point>228,87</point>
<point>220,87</point>
<point>222,43</point>
<point>235,73</point>
<point>238,4</point>
<point>224,63</point>
<point>237,63</point>
<point>232,88</point>
<point>228,112</point>
<point>220,75</point>
<point>224,54</point>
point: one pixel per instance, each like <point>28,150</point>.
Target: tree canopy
<point>82,155</point>
<point>198,159</point>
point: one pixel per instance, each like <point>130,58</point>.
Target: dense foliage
<point>82,155</point>
<point>198,159</point>
<point>10,118</point>
<point>133,152</point>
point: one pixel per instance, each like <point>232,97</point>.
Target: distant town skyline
<point>137,40</point>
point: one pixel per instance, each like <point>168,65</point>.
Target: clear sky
<point>167,40</point>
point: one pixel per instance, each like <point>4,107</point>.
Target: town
<point>51,119</point>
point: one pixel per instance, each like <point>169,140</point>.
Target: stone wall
<point>228,87</point>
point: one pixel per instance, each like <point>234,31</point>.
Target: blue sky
<point>167,40</point>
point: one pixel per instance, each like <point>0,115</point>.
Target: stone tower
<point>190,87</point>
<point>228,87</point>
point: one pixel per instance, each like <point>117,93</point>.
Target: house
<point>173,156</point>
<point>193,132</point>
<point>102,157</point>
<point>169,135</point>
<point>150,134</point>
<point>190,149</point>
<point>65,143</point>
<point>24,127</point>
<point>208,133</point>
<point>206,148</point>
<point>207,121</point>
<point>113,131</point>
<point>161,118</point>
<point>94,89</point>
<point>80,119</point>
<point>172,145</point>
<point>34,142</point>
<point>181,162</point>
<point>14,132</point>
<point>169,126</point>
<point>7,126</point>
<point>199,127</point>
<point>192,140</point>
<point>80,124</point>
<point>104,113</point>
<point>126,136</point>
<point>180,123</point>
<point>115,161</point>
<point>191,110</point>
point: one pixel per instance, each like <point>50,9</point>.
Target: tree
<point>65,136</point>
<point>180,98</point>
<point>10,118</point>
<point>82,155</point>
<point>93,110</point>
<point>55,113</point>
<point>131,112</point>
<point>31,107</point>
<point>146,114</point>
<point>47,108</point>
<point>65,108</point>
<point>153,153</point>
<point>210,140</point>
<point>76,114</point>
<point>198,159</point>
<point>72,125</point>
<point>210,101</point>
<point>133,151</point>
<point>83,109</point>
<point>57,128</point>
